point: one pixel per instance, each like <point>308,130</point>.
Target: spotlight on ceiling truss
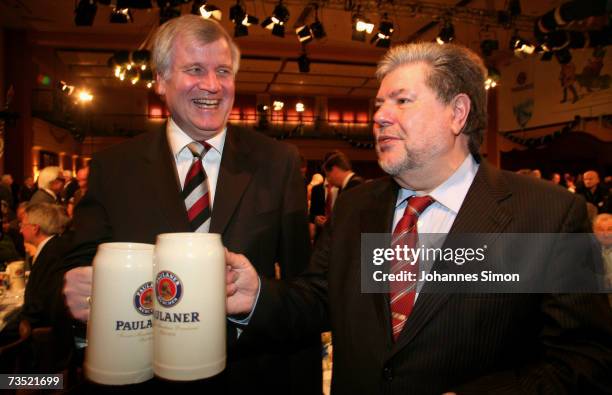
<point>277,21</point>
<point>385,31</point>
<point>447,33</point>
<point>85,13</point>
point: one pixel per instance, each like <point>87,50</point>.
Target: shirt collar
<point>178,139</point>
<point>451,192</point>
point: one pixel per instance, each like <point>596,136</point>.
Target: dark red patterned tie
<point>195,190</point>
<point>403,293</point>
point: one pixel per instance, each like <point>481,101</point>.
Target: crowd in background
<point>53,186</point>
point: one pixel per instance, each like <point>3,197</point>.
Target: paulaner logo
<point>168,288</point>
<point>143,298</point>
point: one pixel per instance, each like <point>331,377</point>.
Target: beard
<point>398,163</point>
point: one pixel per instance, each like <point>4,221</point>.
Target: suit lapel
<point>237,169</point>
<point>160,173</point>
<point>377,217</point>
<point>480,213</point>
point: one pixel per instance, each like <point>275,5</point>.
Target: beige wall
<point>51,138</point>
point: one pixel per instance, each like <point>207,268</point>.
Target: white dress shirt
<point>183,157</point>
<point>440,215</point>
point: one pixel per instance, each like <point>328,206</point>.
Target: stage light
<point>277,105</point>
<point>447,33</point>
<point>521,46</point>
<point>65,88</point>
<point>241,20</point>
<point>318,31</point>
<point>304,63</point>
<point>85,13</point>
<point>493,78</point>
<point>121,15</point>
<point>304,34</point>
<point>206,10</point>
<point>85,96</point>
<point>277,21</point>
<point>385,31</point>
<point>299,107</point>
<point>361,26</point>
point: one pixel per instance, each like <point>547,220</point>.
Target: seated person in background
<point>42,226</point>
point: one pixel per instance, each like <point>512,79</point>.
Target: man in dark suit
<point>322,199</point>
<point>42,226</point>
<point>429,123</point>
<point>254,187</point>
<point>339,172</point>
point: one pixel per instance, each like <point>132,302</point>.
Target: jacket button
<point>388,374</point>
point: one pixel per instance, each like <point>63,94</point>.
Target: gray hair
<point>50,218</point>
<point>203,30</point>
<point>453,69</point>
<point>48,175</point>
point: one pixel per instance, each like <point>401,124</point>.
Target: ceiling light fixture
<point>207,11</point>
<point>121,15</point>
<point>85,13</point>
<point>447,33</point>
<point>521,46</point>
<point>241,20</point>
<point>361,26</point>
<point>385,31</point>
<point>277,21</point>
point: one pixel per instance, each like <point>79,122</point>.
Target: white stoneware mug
<point>120,328</point>
<point>190,322</point>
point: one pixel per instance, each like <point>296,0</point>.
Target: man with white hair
<point>201,174</point>
<point>50,185</point>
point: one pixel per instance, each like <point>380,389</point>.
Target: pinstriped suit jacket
<point>469,343</point>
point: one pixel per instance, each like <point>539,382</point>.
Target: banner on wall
<point>536,93</point>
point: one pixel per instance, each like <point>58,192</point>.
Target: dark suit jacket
<point>317,201</point>
<point>43,283</point>
<point>40,308</point>
<point>495,343</point>
<point>259,209</point>
<point>352,182</point>
<point>70,188</point>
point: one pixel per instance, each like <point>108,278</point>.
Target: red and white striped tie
<point>195,189</point>
<point>403,293</point>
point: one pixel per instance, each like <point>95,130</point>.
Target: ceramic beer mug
<point>120,328</point>
<point>189,324</point>
<point>16,275</point>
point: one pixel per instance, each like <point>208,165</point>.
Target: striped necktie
<point>195,190</point>
<point>403,293</point>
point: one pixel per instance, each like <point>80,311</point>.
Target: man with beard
<point>429,124</point>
